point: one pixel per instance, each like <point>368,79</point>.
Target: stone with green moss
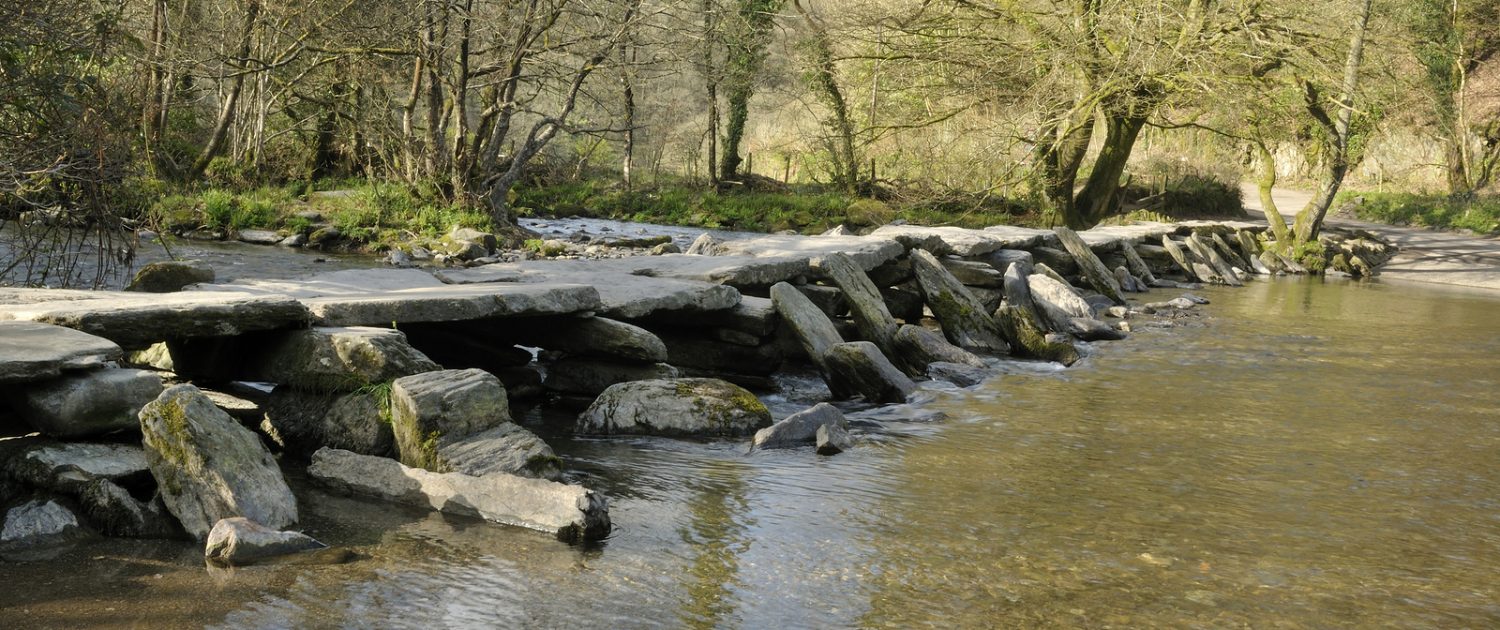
<point>1028,339</point>
<point>508,448</point>
<point>208,467</point>
<point>304,421</point>
<point>433,409</point>
<point>683,407</point>
<point>336,359</point>
<point>169,276</point>
<point>965,321</point>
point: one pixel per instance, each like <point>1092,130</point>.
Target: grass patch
<point>804,209</point>
<point>1480,215</point>
<point>369,215</point>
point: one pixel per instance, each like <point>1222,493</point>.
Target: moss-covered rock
<point>431,410</point>
<point>209,467</point>
<point>169,276</point>
<point>684,407</point>
<point>869,212</point>
<point>1028,339</point>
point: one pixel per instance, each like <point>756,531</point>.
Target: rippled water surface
<point>1311,455</point>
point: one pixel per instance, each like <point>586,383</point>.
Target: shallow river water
<point>1313,455</point>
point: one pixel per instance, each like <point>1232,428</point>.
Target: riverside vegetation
<point>231,115</point>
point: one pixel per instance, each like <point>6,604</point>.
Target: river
<point>1312,454</point>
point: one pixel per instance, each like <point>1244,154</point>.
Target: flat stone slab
<point>626,291</point>
<point>450,303</point>
<point>867,251</point>
<point>948,240</point>
<point>1109,237</point>
<point>346,282</point>
<point>380,297</point>
<point>571,513</point>
<point>136,320</point>
<point>1219,227</point>
<point>31,351</point>
<point>1021,237</point>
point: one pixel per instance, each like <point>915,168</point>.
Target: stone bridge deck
<point>625,288</point>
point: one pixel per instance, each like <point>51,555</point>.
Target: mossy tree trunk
<point>1336,133</point>
<point>746,40</point>
<point>824,75</point>
<point>1100,195</point>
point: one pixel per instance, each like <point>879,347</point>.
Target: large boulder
<point>302,422</point>
<point>571,513</point>
<point>89,403</point>
<point>859,367</point>
<point>865,302</point>
<point>799,428</point>
<point>810,324</point>
<point>1089,265</point>
<point>168,276</point>
<point>116,512</point>
<point>208,467</point>
<point>965,321</point>
<point>240,541</point>
<point>69,467</point>
<point>598,337</point>
<point>32,351</point>
<point>508,448</point>
<point>1056,302</point>
<point>972,273</point>
<point>433,409</point>
<point>339,359</point>
<point>1029,339</point>
<point>591,377</point>
<point>919,347</point>
<point>694,407</point>
<point>35,521</point>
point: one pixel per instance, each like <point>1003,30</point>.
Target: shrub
<point>1190,196</point>
<point>218,209</point>
<point>1480,214</point>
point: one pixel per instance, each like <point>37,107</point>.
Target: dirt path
<point>1426,256</point>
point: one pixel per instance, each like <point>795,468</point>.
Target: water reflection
<point>1315,455</point>
<point>716,533</point>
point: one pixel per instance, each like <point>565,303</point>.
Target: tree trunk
<point>408,116</point>
<point>155,101</point>
<point>436,59</point>
<point>1101,192</point>
<point>458,178</point>
<point>1310,220</point>
<point>628,81</point>
<point>1065,143</point>
<point>1267,183</point>
<point>825,80</point>
<point>712,76</point>
<point>1455,160</point>
<point>231,101</point>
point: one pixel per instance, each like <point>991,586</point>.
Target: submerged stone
<point>571,513</point>
<point>240,541</point>
<point>799,428</point>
